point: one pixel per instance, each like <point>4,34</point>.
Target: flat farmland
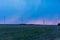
<point>29,32</point>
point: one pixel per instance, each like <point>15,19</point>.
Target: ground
<point>29,32</point>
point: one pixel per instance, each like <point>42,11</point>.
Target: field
<point>29,32</point>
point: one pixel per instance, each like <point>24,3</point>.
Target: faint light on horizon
<point>41,22</point>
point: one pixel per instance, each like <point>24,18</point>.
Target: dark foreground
<point>29,32</point>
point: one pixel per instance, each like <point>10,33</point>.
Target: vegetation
<point>29,33</point>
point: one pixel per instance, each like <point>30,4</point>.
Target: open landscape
<point>29,32</point>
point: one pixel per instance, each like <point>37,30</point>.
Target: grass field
<point>29,32</point>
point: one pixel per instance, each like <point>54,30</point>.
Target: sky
<point>30,12</point>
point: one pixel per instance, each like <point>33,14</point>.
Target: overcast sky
<point>30,11</point>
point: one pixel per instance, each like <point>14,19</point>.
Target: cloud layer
<point>30,11</point>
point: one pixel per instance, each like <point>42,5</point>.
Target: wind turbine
<point>4,19</point>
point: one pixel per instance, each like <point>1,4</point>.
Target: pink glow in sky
<point>47,22</point>
<point>35,22</point>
